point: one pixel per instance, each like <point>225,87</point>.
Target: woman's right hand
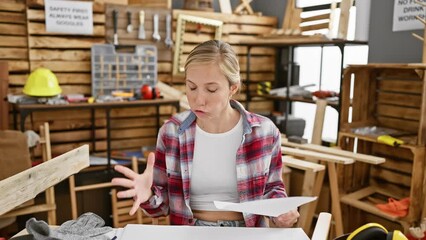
<point>139,185</point>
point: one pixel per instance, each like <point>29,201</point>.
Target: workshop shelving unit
<point>390,96</point>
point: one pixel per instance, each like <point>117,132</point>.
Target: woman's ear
<point>234,89</point>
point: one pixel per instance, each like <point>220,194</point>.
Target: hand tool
<point>389,140</point>
<point>168,41</point>
<point>115,19</point>
<point>129,22</point>
<point>156,36</point>
<point>141,34</point>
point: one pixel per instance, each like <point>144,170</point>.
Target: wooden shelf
<point>334,104</point>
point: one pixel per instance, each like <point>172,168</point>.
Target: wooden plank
<point>397,165</point>
<point>302,165</point>
<point>401,154</point>
<point>57,149</point>
<point>74,78</point>
<point>40,29</point>
<point>133,143</point>
<point>66,89</point>
<point>358,91</point>
<point>335,151</point>
<point>133,133</point>
<point>400,99</point>
<point>391,176</point>
<point>13,29</point>
<point>12,6</point>
<point>68,124</point>
<point>353,200</point>
<point>4,105</point>
<point>77,136</point>
<point>63,66</point>
<point>63,42</point>
<point>18,66</point>
<point>27,184</point>
<point>13,53</point>
<point>345,97</point>
<point>230,18</point>
<point>398,112</point>
<point>12,41</point>
<point>421,140</point>
<point>316,155</point>
<point>63,78</point>
<point>314,27</point>
<point>397,191</point>
<point>325,16</point>
<point>399,124</point>
<point>402,86</point>
<point>12,17</point>
<point>345,7</point>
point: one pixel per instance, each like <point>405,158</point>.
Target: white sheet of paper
<point>272,207</point>
<point>163,232</point>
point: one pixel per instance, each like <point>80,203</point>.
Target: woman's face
<point>208,91</point>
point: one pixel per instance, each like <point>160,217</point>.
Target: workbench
<point>24,110</point>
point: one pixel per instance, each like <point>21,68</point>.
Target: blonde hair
<point>215,51</point>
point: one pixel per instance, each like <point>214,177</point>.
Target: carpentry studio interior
<point>117,118</point>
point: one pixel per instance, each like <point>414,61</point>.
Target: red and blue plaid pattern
<point>258,166</point>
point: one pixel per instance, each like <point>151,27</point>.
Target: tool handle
<point>168,24</point>
<point>129,17</point>
<point>141,17</point>
<point>114,19</point>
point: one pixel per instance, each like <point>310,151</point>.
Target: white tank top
<point>214,175</point>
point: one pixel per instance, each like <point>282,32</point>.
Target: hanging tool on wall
<point>141,34</point>
<point>129,22</point>
<point>168,41</point>
<point>115,19</point>
<point>156,35</point>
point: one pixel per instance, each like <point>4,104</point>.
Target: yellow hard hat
<point>42,83</point>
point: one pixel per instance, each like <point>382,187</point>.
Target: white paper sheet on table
<point>272,207</point>
<point>163,232</point>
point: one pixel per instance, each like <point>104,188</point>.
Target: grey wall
<point>386,46</point>
<point>270,8</point>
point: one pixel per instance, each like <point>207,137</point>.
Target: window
<point>322,68</point>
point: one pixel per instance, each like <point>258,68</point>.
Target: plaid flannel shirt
<point>258,164</point>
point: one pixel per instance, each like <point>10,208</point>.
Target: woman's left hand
<point>287,219</point>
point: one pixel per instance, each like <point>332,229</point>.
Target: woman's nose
<point>200,99</point>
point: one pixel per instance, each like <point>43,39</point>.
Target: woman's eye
<point>212,90</point>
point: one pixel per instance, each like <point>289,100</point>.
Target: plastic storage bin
<point>113,71</point>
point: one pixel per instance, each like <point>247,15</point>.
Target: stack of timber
<point>235,29</point>
<point>391,96</point>
<point>165,4</point>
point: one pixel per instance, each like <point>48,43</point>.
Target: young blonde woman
<point>216,151</point>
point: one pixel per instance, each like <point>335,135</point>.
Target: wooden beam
<point>25,185</point>
<point>334,151</point>
<point>4,105</point>
<point>316,155</point>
